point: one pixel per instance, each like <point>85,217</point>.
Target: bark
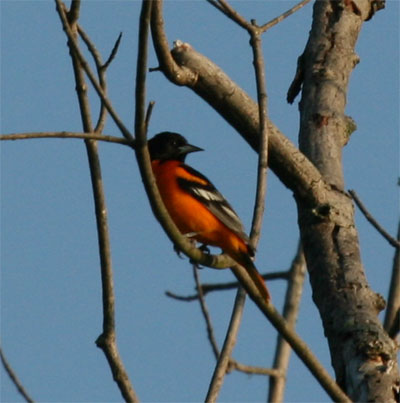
<point>362,353</point>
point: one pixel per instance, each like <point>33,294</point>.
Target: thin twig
<point>259,68</point>
<point>14,378</point>
<point>261,189</point>
<point>230,340</point>
<point>216,5</point>
<point>67,135</point>
<point>206,288</point>
<point>148,114</point>
<point>290,312</point>
<point>101,73</point>
<point>284,15</point>
<point>84,64</point>
<point>206,314</point>
<point>188,298</point>
<point>297,82</point>
<point>394,242</point>
<point>226,9</point>
<point>231,13</point>
<point>252,370</point>
<point>223,361</point>
<point>113,52</point>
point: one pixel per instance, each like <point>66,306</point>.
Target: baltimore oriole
<point>198,209</point>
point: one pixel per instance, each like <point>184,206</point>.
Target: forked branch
<point>107,340</point>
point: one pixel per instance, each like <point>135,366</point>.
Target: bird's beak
<point>189,148</point>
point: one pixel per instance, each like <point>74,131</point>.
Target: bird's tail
<point>259,282</point>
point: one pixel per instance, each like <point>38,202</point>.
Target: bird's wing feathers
<point>204,191</point>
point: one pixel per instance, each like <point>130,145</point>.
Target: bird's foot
<point>189,236</point>
<point>205,249</point>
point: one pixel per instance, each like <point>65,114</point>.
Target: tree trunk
<point>362,353</point>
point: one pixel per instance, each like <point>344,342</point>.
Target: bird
<point>197,208</point>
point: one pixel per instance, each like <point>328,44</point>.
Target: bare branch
<point>67,135</point>
<point>252,370</point>
<point>107,340</point>
<point>206,314</point>
<point>229,343</point>
<point>216,5</point>
<point>206,288</point>
<point>188,298</point>
<point>394,242</point>
<point>290,313</point>
<point>284,15</point>
<point>231,13</point>
<point>148,114</point>
<point>14,378</point>
<point>297,82</point>
<point>261,188</point>
<point>101,74</point>
<point>113,52</point>
<point>299,346</point>
<point>224,359</point>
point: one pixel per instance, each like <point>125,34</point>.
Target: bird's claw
<point>205,249</point>
<point>178,252</point>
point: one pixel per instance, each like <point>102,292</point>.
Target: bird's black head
<point>170,146</point>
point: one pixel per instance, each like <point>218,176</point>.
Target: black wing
<point>205,192</point>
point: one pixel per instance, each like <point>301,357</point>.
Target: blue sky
<point>50,279</point>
